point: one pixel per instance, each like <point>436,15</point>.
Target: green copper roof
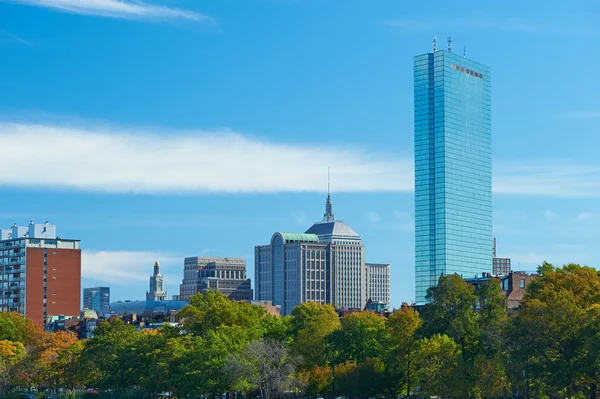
<point>298,237</point>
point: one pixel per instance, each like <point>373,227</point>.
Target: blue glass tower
<point>453,168</point>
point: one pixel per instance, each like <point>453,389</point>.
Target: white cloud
<point>549,215</point>
<point>113,160</point>
<point>127,9</point>
<point>546,178</point>
<point>125,160</point>
<point>584,216</point>
<point>126,267</point>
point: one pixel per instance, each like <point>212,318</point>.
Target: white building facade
<point>326,264</point>
<point>378,283</point>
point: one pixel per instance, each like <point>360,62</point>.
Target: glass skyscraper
<point>453,168</point>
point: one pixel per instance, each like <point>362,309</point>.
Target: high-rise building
<point>378,283</point>
<point>157,286</point>
<point>453,168</point>
<point>228,278</point>
<point>97,298</point>
<point>326,264</point>
<point>346,256</point>
<point>192,266</point>
<point>292,270</point>
<point>501,266</point>
<point>40,273</point>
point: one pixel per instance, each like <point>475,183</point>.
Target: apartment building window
<point>522,283</point>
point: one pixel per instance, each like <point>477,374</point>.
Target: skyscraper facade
<point>40,273</point>
<point>291,270</point>
<point>326,264</point>
<point>97,298</point>
<point>453,168</point>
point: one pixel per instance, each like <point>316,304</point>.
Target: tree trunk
<point>593,388</point>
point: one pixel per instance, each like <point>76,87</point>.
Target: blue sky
<point>163,129</point>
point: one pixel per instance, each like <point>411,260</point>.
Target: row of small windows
<point>467,71</point>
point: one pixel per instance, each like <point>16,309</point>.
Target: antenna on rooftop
<point>449,44</point>
<point>434,44</point>
<point>328,179</point>
<point>465,52</point>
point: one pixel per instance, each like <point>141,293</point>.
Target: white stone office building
<point>378,283</point>
<point>324,265</point>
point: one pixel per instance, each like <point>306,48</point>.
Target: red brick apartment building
<point>40,273</point>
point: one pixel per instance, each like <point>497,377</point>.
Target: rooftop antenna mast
<point>434,44</point>
<point>328,180</point>
<point>449,44</point>
<point>465,52</point>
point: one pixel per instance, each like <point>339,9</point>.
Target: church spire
<point>328,216</point>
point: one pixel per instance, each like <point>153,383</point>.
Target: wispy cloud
<point>108,159</point>
<point>127,9</point>
<point>132,160</point>
<point>7,37</point>
<point>550,216</point>
<point>582,114</point>
<point>547,178</point>
<point>478,22</point>
<point>123,267</point>
<point>583,216</point>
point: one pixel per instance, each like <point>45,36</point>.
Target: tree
<point>265,363</point>
<point>550,328</point>
<point>317,381</point>
<point>109,357</point>
<point>402,349</point>
<point>210,311</point>
<point>54,357</point>
<point>311,323</point>
<point>361,336</point>
<point>151,368</point>
<point>10,355</point>
<point>436,362</point>
<point>451,311</point>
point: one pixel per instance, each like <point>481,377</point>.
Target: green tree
<point>437,361</point>
<point>110,358</point>
<point>451,311</point>
<point>550,329</point>
<point>311,324</point>
<point>361,336</point>
<point>210,311</point>
<point>403,326</point>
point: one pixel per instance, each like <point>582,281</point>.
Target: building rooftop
<point>337,228</point>
<point>299,237</point>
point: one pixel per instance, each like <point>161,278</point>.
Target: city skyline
<point>235,119</point>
